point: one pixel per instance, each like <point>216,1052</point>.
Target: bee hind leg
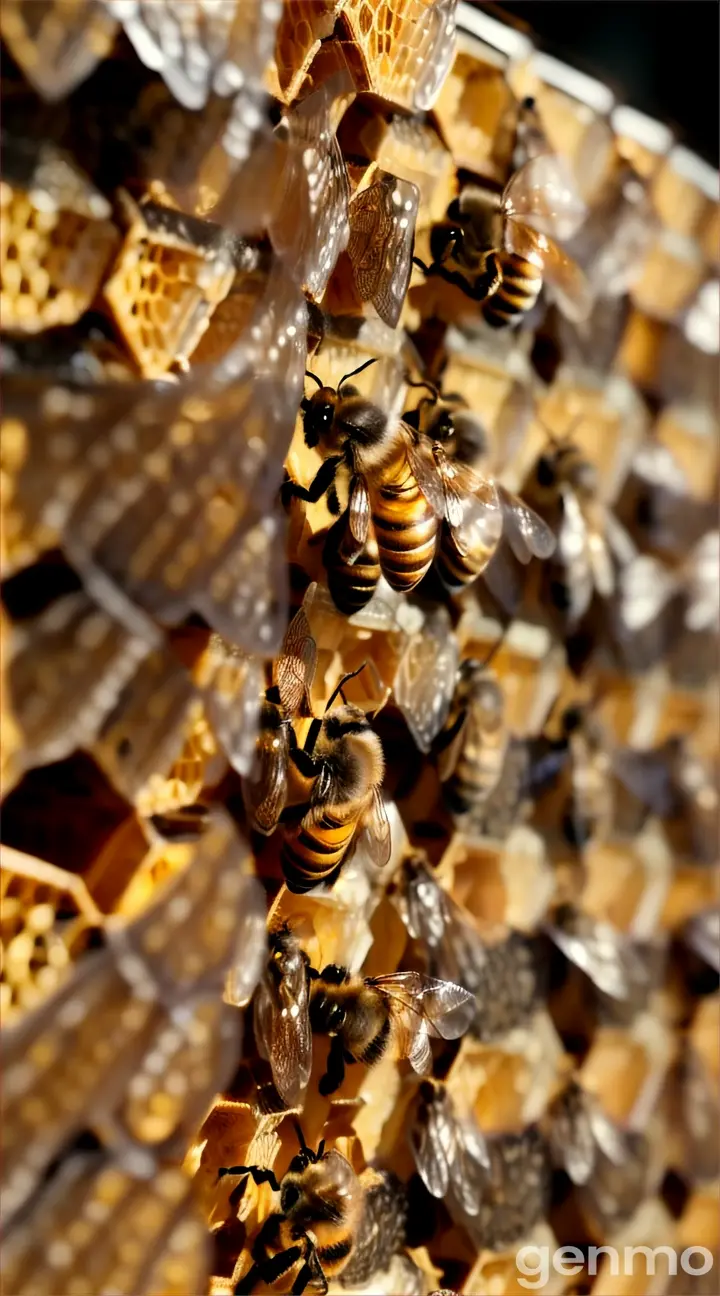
<point>310,1272</point>
<point>258,1174</point>
<point>335,1073</point>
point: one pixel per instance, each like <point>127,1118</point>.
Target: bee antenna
<point>339,689</point>
<point>300,1136</point>
<point>321,1150</point>
<point>431,387</point>
<point>310,374</point>
<point>359,369</point>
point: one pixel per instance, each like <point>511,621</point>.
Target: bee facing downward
<point>473,745</point>
<point>311,1237</point>
<point>364,1016</point>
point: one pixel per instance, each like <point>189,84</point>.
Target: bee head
<point>318,415</point>
<point>546,471</point>
<point>318,1188</point>
<point>327,1010</point>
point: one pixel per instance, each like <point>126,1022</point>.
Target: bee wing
<point>601,563</point>
<point>703,607</point>
<point>376,836</point>
<point>573,553</point>
<point>423,909</point>
<point>423,1006</point>
<point>431,1142</point>
<point>295,666</point>
<point>702,933</point>
<point>382,227</point>
<point>232,684</point>
<point>282,1032</point>
<point>480,524</point>
<point>359,512</point>
<point>311,227</point>
<point>448,759</point>
<point>543,195</point>
<point>526,533</point>
<point>177,513</point>
<point>434,33</point>
<point>570,1134</point>
<point>565,282</point>
<point>611,1140</point>
<point>424,464</point>
<point>425,680</point>
<point>265,791</point>
<point>601,952</point>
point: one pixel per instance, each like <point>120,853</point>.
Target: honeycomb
<point>319,859</point>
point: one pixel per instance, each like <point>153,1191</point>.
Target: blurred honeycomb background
<point>200,201</point>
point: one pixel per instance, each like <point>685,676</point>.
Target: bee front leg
<point>311,1272</point>
<point>335,1073</point>
<point>322,481</point>
<point>258,1174</point>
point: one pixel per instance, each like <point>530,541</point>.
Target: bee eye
<point>289,1197</point>
<point>335,1017</point>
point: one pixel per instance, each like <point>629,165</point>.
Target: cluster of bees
<point>360,636</point>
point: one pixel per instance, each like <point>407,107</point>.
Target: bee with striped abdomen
<point>343,759</point>
<point>281,1020</point>
<point>563,488</point>
<point>352,574</point>
<point>365,1015</point>
<point>311,1237</point>
<point>500,250</point>
<point>450,1154</point>
<point>381,1232</point>
<point>474,743</point>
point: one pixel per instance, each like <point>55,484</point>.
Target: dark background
<point>660,56</point>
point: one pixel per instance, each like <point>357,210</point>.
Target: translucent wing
<point>57,45</point>
<point>611,1140</point>
<point>702,934</point>
<point>658,465</point>
<point>449,1153</point>
<point>458,483</point>
<point>359,512</point>
<point>598,551</point>
<point>543,195</point>
<point>310,228</point>
<point>382,227</point>
<point>572,554</point>
<point>282,1021</point>
<point>526,533</point>
<point>232,684</point>
<point>571,1139</point>
<point>436,62</point>
<point>265,791</point>
<point>145,732</point>
<point>431,1141</point>
<point>479,530</point>
<point>376,835</point>
<point>117,1198</point>
<point>422,1007</point>
<point>424,464</point>
<point>176,514</point>
<point>66,670</point>
<point>599,950</point>
<point>199,46</point>
<point>295,666</point>
<point>425,680</point>
<point>565,282</point>
<point>703,607</point>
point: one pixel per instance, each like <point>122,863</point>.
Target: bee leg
<point>268,1270</point>
<point>304,762</point>
<point>321,482</point>
<point>310,1272</point>
<point>333,501</point>
<point>335,1073</point>
<point>258,1174</point>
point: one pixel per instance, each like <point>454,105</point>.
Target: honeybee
<point>402,486</point>
<point>500,250</point>
<point>607,956</point>
<point>451,1155</point>
<point>579,1130</point>
<point>563,488</point>
<point>474,743</point>
<point>364,1015</point>
<point>311,1237</point>
<point>281,1021</point>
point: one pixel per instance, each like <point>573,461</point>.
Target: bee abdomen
<point>351,585</point>
<point>315,852</point>
<point>518,291</point>
<point>382,1230</point>
<point>375,1049</point>
<point>334,1255</point>
<point>457,570</point>
<point>406,530</point>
